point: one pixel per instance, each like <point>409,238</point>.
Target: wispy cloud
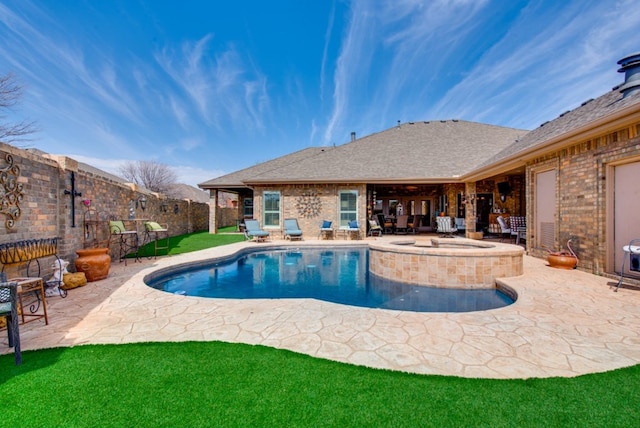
<point>547,72</point>
<point>221,85</point>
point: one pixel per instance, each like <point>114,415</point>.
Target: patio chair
<point>402,224</point>
<point>633,250</point>
<point>445,226</point>
<point>518,228</point>
<point>126,240</point>
<point>9,310</point>
<point>504,229</point>
<point>291,229</point>
<point>460,223</point>
<point>156,232</point>
<point>374,228</point>
<point>253,231</point>
<point>387,226</point>
<point>326,231</point>
<point>414,225</point>
<point>353,229</point>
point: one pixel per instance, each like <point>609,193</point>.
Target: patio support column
<point>470,208</point>
<point>213,211</point>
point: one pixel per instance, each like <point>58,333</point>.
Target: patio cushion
<point>326,224</point>
<point>152,225</point>
<point>353,224</point>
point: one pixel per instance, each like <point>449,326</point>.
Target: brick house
<point>575,177</point>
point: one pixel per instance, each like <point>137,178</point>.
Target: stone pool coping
<point>564,323</point>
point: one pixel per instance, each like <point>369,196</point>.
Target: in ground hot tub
<point>447,262</point>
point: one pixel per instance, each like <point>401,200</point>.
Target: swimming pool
<point>339,275</point>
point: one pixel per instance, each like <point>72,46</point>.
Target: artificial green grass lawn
<point>194,242</point>
<point>221,384</point>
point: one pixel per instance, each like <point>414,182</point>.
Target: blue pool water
<point>339,275</point>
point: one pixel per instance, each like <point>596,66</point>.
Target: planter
<point>562,261</point>
<point>94,262</point>
<point>476,235</point>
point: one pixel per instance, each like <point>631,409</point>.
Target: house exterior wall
<point>310,204</point>
<point>583,195</point>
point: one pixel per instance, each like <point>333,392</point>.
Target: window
<point>271,209</point>
<point>348,207</point>
<point>248,208</point>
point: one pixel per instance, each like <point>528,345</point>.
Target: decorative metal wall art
<point>309,205</point>
<point>11,193</point>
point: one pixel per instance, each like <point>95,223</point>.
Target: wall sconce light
<point>142,200</point>
<point>176,209</point>
<point>469,199</point>
<point>503,197</point>
<point>164,207</point>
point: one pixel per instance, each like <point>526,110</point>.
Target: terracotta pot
<point>562,262</point>
<point>94,262</point>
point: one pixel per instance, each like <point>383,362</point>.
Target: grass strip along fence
<point>221,384</point>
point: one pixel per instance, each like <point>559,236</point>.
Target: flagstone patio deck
<point>564,323</point>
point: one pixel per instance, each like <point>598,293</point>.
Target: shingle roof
<point>421,152</point>
<point>413,151</point>
<point>589,112</point>
<point>237,179</point>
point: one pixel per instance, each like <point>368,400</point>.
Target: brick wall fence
<point>35,201</point>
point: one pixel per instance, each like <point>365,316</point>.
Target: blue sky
<point>210,87</point>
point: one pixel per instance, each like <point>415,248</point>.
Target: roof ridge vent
<point>630,66</point>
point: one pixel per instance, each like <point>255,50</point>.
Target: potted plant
<point>563,259</point>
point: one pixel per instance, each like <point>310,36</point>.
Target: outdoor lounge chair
<point>9,310</point>
<point>504,229</point>
<point>374,228</point>
<point>291,229</point>
<point>252,230</point>
<point>445,227</point>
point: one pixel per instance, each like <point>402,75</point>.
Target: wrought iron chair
<point>126,240</point>
<point>518,228</point>
<point>157,232</point>
<point>9,310</point>
<point>633,251</point>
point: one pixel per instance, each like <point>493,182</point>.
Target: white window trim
<point>264,209</point>
<point>355,192</point>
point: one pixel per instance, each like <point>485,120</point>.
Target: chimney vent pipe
<point>630,66</point>
<point>353,136</point>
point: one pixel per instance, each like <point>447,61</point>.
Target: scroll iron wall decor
<point>309,205</point>
<point>11,193</point>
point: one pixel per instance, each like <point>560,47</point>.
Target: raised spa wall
<point>447,263</point>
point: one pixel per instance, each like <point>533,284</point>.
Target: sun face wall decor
<point>309,205</point>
